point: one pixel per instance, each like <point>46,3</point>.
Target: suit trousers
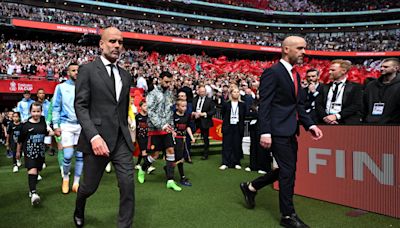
<point>260,158</point>
<point>284,150</point>
<point>205,132</point>
<point>93,170</point>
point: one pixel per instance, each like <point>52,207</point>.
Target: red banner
<point>169,39</point>
<point>19,86</point>
<point>356,166</point>
<point>216,130</point>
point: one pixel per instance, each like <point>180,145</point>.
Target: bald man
<point>101,105</point>
<point>280,112</point>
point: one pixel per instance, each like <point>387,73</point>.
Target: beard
<point>164,88</point>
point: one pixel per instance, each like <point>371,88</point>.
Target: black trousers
<point>232,150</point>
<point>93,170</point>
<point>284,150</point>
<point>260,158</point>
<point>205,132</point>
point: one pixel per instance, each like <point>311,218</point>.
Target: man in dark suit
<point>101,105</point>
<point>340,101</point>
<point>203,111</point>
<point>312,90</point>
<point>281,109</point>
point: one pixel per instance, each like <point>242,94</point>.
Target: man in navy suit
<point>281,110</point>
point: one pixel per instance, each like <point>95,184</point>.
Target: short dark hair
<point>73,64</point>
<point>18,113</point>
<point>312,70</point>
<point>27,92</point>
<point>165,74</point>
<point>39,90</point>
<point>37,104</point>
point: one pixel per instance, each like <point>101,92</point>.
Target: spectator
<point>340,101</point>
<point>203,111</point>
<point>312,90</point>
<point>382,96</point>
<point>233,113</point>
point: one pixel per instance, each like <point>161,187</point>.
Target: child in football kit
<point>13,132</point>
<point>141,132</point>
<point>182,125</point>
<point>31,142</point>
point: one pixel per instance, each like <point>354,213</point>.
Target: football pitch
<point>214,200</point>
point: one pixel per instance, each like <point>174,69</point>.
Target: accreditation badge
<point>335,108</point>
<point>378,109</point>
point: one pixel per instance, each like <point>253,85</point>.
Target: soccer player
<point>66,125</point>
<point>160,120</point>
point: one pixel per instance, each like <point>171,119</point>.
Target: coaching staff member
<point>101,105</point>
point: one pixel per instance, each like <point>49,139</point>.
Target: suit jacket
<point>351,103</point>
<point>226,117</point>
<point>310,98</point>
<point>97,109</point>
<point>279,105</point>
<point>209,108</point>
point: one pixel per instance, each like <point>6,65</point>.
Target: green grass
<point>214,200</point>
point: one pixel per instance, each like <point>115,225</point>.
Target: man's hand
<point>311,87</point>
<point>57,132</point>
<point>100,147</point>
<point>265,141</point>
<point>330,119</point>
<point>316,133</point>
<point>196,115</point>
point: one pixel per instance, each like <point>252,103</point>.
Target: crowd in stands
<point>47,60</point>
<point>313,5</point>
<point>360,41</point>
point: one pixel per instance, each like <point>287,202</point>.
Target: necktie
<point>296,85</point>
<point>112,76</point>
<point>200,101</point>
<point>335,91</point>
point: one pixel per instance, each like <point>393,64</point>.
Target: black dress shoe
<point>293,222</point>
<point>78,220</point>
<point>249,196</point>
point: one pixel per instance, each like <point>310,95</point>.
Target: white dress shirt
<point>339,98</point>
<point>200,104</point>
<point>117,76</point>
<point>288,67</point>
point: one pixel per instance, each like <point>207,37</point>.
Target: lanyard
<point>234,112</point>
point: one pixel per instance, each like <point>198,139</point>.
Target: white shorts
<point>70,134</point>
